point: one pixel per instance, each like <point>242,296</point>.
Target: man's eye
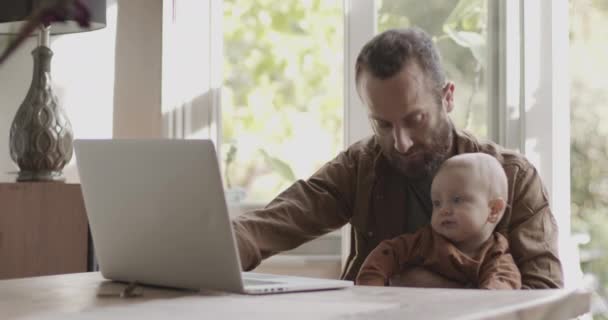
<point>457,199</point>
<point>417,119</point>
<point>436,204</point>
<point>382,124</point>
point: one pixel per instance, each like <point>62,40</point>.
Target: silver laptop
<point>158,216</point>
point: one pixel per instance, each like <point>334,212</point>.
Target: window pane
<point>459,30</point>
<point>589,136</point>
<point>283,92</point>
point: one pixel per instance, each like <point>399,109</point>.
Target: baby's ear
<point>497,207</point>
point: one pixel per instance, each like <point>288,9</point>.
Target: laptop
<point>158,216</point>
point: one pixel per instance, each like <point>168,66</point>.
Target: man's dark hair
<point>386,54</point>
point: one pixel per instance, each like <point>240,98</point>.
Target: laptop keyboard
<point>252,282</point>
<point>260,276</point>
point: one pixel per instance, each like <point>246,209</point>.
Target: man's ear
<point>497,207</point>
<point>448,96</point>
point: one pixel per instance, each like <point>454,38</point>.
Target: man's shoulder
<point>508,158</point>
<point>364,149</point>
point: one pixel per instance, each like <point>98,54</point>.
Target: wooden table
<point>75,296</point>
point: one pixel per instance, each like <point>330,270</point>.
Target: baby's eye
<point>436,203</point>
<point>457,199</point>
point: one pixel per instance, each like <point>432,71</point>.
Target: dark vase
<point>41,134</point>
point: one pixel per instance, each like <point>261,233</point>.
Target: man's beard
<point>422,161</point>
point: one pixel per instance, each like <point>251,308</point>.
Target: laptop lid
<point>133,192</point>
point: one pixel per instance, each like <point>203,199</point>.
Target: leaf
<point>460,28</point>
<point>463,10</point>
<point>279,166</point>
<point>472,40</point>
<point>231,154</point>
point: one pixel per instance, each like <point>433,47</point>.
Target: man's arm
<point>302,212</point>
<point>533,233</point>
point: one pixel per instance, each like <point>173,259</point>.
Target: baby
<point>469,195</point>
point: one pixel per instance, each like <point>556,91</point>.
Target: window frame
<point>545,112</point>
<point>532,99</point>
<point>359,26</point>
<point>528,87</point>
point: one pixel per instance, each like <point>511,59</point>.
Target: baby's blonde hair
<point>489,170</point>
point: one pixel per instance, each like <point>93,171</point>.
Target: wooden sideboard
<point>43,229</point>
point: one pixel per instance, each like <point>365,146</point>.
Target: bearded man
<point>381,185</point>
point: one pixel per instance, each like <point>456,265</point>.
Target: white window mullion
<point>191,68</point>
<point>495,39</point>
<point>216,79</point>
<point>503,93</point>
<point>560,136</point>
<point>359,27</point>
<point>546,116</point>
<point>560,94</point>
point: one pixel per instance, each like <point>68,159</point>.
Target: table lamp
<point>41,135</point>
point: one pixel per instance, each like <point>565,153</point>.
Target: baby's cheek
<point>467,225</point>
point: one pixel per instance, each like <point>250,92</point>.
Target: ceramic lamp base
<point>41,135</point>
<point>50,176</point>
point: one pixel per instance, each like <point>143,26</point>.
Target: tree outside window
<point>282,100</point>
<point>589,141</point>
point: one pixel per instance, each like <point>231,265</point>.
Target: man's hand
<point>422,278</point>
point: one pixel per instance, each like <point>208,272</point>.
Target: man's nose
<point>403,142</point>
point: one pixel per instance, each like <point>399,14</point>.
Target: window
<point>589,152</point>
<point>282,95</point>
<point>283,111</point>
<point>459,29</point>
<point>288,84</point>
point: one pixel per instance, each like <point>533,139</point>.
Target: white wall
<point>137,87</point>
<point>15,75</point>
<point>108,80</point>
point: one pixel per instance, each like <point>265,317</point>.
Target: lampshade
<point>14,13</point>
